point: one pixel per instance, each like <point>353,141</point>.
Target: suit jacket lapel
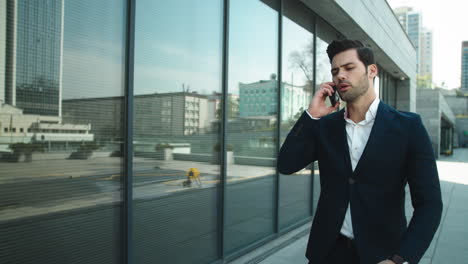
<point>338,130</point>
<point>381,123</point>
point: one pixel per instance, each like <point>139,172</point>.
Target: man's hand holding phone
<point>317,107</point>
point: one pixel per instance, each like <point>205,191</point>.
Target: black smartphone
<point>334,97</point>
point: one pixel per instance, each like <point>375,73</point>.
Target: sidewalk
<point>450,244</point>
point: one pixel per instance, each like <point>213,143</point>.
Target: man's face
<point>349,75</point>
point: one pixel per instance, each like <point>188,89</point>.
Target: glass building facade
<point>464,66</point>
<point>147,131</point>
<point>35,47</point>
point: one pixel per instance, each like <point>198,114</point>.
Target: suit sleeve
<point>425,193</point>
<point>300,147</point>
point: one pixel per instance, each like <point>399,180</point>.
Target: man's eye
<point>334,73</point>
<point>349,69</point>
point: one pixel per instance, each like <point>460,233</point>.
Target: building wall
<point>464,61</point>
<point>428,102</point>
<point>432,107</point>
<point>462,131</point>
<point>458,104</point>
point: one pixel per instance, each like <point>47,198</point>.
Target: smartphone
<point>334,97</point>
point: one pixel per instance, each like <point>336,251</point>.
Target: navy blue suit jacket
<point>397,153</point>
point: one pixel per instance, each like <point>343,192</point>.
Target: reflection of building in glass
<point>34,35</point>
<point>155,114</point>
<point>171,114</point>
<point>18,127</point>
<point>2,49</point>
<point>214,105</point>
<point>260,99</point>
<point>421,38</point>
<point>464,66</point>
<point>104,114</point>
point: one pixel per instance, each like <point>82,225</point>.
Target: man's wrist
<point>311,116</point>
<point>397,259</point>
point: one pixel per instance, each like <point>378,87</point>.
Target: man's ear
<point>372,70</point>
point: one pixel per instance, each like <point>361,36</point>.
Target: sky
<point>172,51</point>
<point>447,19</point>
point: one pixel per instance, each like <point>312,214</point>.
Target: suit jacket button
<point>351,181</point>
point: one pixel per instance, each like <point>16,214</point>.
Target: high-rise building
<point>421,38</point>
<point>464,66</point>
<point>425,59</point>
<point>2,49</point>
<point>34,44</point>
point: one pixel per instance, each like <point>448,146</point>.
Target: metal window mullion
<point>314,82</point>
<point>224,116</point>
<point>128,139</point>
<point>278,116</point>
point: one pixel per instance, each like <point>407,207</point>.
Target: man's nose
<point>341,76</point>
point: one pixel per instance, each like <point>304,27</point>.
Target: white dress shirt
<point>357,135</point>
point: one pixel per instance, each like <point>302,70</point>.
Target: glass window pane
<point>323,71</point>
<point>178,48</point>
<point>251,129</point>
<point>60,198</point>
<point>297,89</point>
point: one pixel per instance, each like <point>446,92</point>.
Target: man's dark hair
<point>365,54</point>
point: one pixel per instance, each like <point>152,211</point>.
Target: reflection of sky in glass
<point>295,38</point>
<point>93,48</point>
<point>323,63</point>
<point>176,43</point>
<point>253,42</point>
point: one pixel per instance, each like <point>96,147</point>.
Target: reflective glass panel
<point>177,131</point>
<point>61,131</point>
<point>252,122</point>
<point>297,90</point>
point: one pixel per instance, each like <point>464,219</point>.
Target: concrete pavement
<point>450,244</point>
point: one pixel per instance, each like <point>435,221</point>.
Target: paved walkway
<point>450,244</point>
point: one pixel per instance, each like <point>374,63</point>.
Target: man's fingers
<point>333,108</point>
<point>328,90</point>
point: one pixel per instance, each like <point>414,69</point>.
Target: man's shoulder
<point>337,115</point>
<point>401,115</point>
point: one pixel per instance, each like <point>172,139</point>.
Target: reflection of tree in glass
<point>25,149</point>
<point>233,108</point>
<point>304,61</point>
<point>323,63</point>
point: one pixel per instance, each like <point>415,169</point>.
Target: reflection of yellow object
<point>193,173</point>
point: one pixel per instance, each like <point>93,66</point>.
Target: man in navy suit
<point>367,153</point>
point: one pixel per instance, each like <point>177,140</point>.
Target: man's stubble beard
<point>356,90</point>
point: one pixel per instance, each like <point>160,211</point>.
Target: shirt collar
<point>370,114</point>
